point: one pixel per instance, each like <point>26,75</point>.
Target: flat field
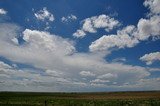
<point>147,98</point>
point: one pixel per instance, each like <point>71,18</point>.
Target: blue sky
<point>66,45</point>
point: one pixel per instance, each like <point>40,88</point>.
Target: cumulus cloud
<point>79,34</point>
<point>62,66</point>
<point>104,21</point>
<point>93,23</point>
<point>59,67</point>
<point>121,40</point>
<point>47,41</point>
<point>148,28</point>
<point>2,11</point>
<point>68,18</point>
<point>131,35</point>
<point>40,45</point>
<point>151,57</point>
<point>44,14</point>
<point>153,6</point>
<point>88,26</point>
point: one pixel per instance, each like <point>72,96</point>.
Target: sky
<point>79,45</point>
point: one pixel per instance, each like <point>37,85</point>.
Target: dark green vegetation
<point>80,99</point>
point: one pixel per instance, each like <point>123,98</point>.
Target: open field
<point>80,99</point>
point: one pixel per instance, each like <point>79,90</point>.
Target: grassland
<point>80,99</point>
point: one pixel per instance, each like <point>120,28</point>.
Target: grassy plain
<point>150,98</point>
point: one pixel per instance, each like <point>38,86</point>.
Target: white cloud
<point>150,58</point>
<point>14,79</point>
<point>79,34</point>
<point>69,18</point>
<point>148,28</point>
<point>131,35</point>
<point>40,45</point>
<point>86,73</point>
<point>153,6</point>
<point>44,14</point>
<point>59,60</point>
<point>104,21</point>
<point>2,11</point>
<point>88,26</point>
<point>62,68</point>
<point>107,76</point>
<point>93,23</point>
<point>121,40</point>
<point>47,41</point>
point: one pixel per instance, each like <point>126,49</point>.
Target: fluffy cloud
<point>57,66</point>
<point>47,41</point>
<point>2,11</point>
<point>121,40</point>
<point>37,46</point>
<point>104,21</point>
<point>95,22</point>
<point>148,28</point>
<point>61,65</point>
<point>44,14</point>
<point>153,6</point>
<point>88,26</point>
<point>79,34</point>
<point>131,35</point>
<point>68,18</point>
<point>151,57</point>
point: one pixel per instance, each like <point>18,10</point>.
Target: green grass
<point>79,99</point>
